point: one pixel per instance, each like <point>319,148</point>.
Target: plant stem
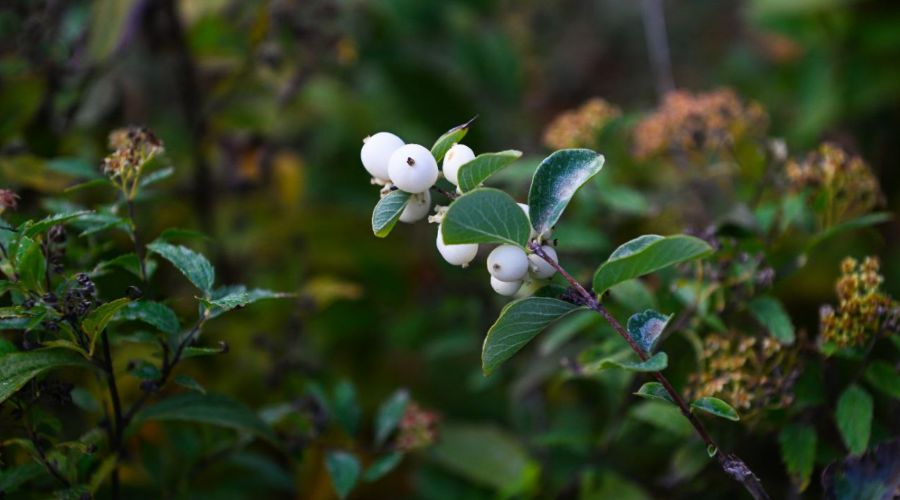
<point>117,427</point>
<point>731,464</point>
<point>136,239</point>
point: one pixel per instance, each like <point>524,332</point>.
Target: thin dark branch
<point>731,464</point>
<point>450,195</point>
<point>117,426</point>
<point>136,240</point>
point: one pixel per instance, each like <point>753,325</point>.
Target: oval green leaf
<point>344,470</point>
<point>555,181</point>
<point>387,212</point>
<point>17,368</point>
<point>152,313</point>
<point>449,138</point>
<point>476,171</point>
<point>485,216</point>
<point>389,414</point>
<point>647,254</point>
<point>192,265</point>
<point>212,409</point>
<point>771,314</point>
<point>654,390</point>
<point>854,418</point>
<point>798,451</point>
<point>717,407</point>
<point>383,466</point>
<point>518,323</point>
<point>646,327</point>
<point>656,363</point>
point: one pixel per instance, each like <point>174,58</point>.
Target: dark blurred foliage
<point>262,107</point>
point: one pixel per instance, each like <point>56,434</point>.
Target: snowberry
<point>540,268</point>
<point>508,263</point>
<point>457,156</point>
<point>376,152</point>
<point>458,255</point>
<point>524,208</point>
<point>417,208</point>
<point>505,288</point>
<point>412,168</point>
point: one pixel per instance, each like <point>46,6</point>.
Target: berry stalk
<point>731,464</point>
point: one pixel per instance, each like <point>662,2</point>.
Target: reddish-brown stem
<point>731,464</point>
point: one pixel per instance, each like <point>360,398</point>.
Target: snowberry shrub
<point>524,260</point>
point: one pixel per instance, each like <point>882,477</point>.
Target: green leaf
<point>771,314</point>
<point>448,139</point>
<point>717,407</point>
<point>31,229</point>
<point>344,470</point>
<point>235,297</point>
<point>152,313</point>
<point>387,212</point>
<point>96,320</point>
<point>189,383</point>
<point>145,370</point>
<point>485,215</point>
<point>486,456</point>
<point>555,181</point>
<point>345,406</point>
<point>657,362</point>
<point>129,262</point>
<point>854,418</point>
<point>654,390</point>
<point>389,414</point>
<point>884,377</point>
<point>798,450</point>
<point>647,254</point>
<point>17,475</point>
<point>646,327</point>
<point>191,264</point>
<point>519,322</point>
<point>212,409</point>
<point>857,223</point>
<point>196,352</point>
<point>156,176</point>
<point>17,368</point>
<point>31,264</point>
<point>477,170</point>
<point>383,466</point>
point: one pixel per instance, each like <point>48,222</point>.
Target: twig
<point>118,430</point>
<point>448,194</point>
<point>136,239</point>
<point>731,464</point>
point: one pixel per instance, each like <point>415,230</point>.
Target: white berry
<point>524,208</point>
<point>417,208</point>
<point>412,168</point>
<point>508,263</point>
<point>457,156</point>
<point>376,152</point>
<point>505,288</point>
<point>458,255</point>
<point>540,268</point>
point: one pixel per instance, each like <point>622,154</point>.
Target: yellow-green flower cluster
<point>844,183</point>
<point>578,128</point>
<point>132,148</point>
<point>748,372</point>
<point>863,311</point>
<point>697,124</point>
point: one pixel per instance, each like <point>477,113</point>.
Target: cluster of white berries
<point>412,168</point>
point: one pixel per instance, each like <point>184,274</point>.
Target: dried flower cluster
<point>844,183</point>
<point>132,148</point>
<point>578,128</point>
<point>863,311</point>
<point>747,371</point>
<point>8,199</point>
<point>698,123</point>
<point>418,428</point>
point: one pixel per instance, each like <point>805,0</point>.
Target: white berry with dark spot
<point>457,156</point>
<point>505,288</point>
<point>508,263</point>
<point>376,153</point>
<point>540,268</point>
<point>417,207</point>
<point>412,168</point>
<point>458,255</point>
